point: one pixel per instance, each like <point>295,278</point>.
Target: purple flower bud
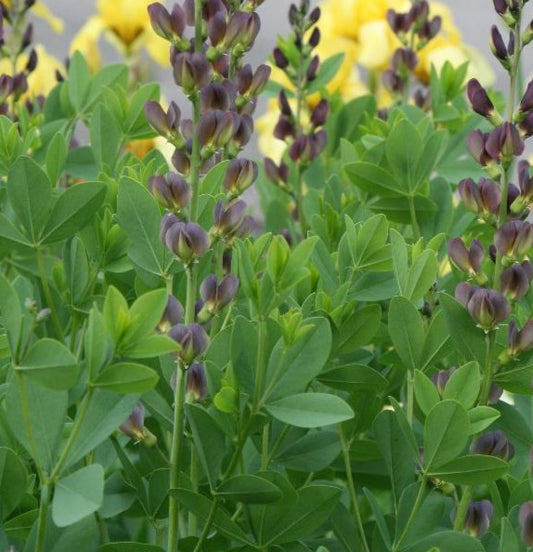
<point>399,22</point>
<point>525,518</point>
<point>240,175</point>
<point>31,64</point>
<point>526,126</point>
<point>172,315</point>
<point>260,80</point>
<point>191,71</point>
<point>478,518</point>
<point>283,104</point>
<point>520,340</point>
<point>216,28</point>
<point>479,98</point>
<point>404,59</point>
<point>216,295</point>
<point>430,29</point>
<point>228,219</point>
<point>526,104</point>
<point>312,69</point>
<point>279,175</point>
<point>284,128</point>
<point>493,444</point>
<point>490,196</point>
<point>486,306</point>
<point>497,45</point>
<point>27,37</point>
<point>215,96</point>
<point>244,128</point>
<point>504,141</point>
<point>134,427</point>
<point>196,384</point>
<point>514,239</point>
<point>242,30</point>
<point>314,39</point>
<point>476,142</point>
<point>169,26</point>
<point>279,59</point>
<point>171,191</point>
<point>467,260</point>
<point>440,379</point>
<point>193,341</point>
<point>393,81</point>
<point>187,240</point>
<point>515,281</point>
<point>216,128</point>
<point>495,392</point>
<point>320,113</point>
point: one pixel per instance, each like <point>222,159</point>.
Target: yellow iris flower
<point>125,23</point>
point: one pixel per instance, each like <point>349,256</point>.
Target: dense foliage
<point>344,366</point>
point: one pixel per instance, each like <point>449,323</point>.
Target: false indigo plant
<point>173,377</point>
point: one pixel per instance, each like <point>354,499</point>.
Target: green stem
<point>48,294</point>
<point>410,396</point>
<point>414,219</point>
<point>462,509</point>
<point>73,434</point>
<point>351,488</point>
<point>487,373</point>
<point>264,447</point>
<point>277,443</point>
<point>41,520</point>
<point>193,473</point>
<point>175,456</point>
<point>414,512</point>
<point>102,528</point>
<point>207,526</point>
<point>260,363</point>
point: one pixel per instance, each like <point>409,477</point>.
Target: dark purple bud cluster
<point>519,340</point>
<point>230,221</point>
<point>467,260</point>
<point>414,24</point>
<point>499,146</point>
<point>134,427</point>
<point>192,339</point>
<point>478,517</point>
<point>493,444</point>
<point>187,240</point>
<point>16,37</point>
<point>171,191</point>
<point>482,198</point>
<point>216,295</point>
<point>487,307</point>
<point>481,103</point>
<point>303,135</point>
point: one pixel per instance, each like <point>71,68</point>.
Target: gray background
<point>473,17</point>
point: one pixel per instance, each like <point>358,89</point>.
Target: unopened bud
<point>493,444</point>
<point>196,384</point>
<point>134,427</point>
<point>240,175</point>
<point>172,315</point>
<point>193,341</point>
<point>525,519</point>
<point>187,240</point>
<point>216,295</point>
<point>171,191</point>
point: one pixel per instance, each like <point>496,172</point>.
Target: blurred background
<point>472,17</point>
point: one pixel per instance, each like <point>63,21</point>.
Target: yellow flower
<point>125,23</point>
<point>42,79</point>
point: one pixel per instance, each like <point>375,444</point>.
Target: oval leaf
<point>473,469</point>
<point>249,489</point>
<point>310,410</point>
<point>127,377</point>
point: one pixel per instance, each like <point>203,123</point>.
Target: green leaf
<point>127,377</point>
<point>105,413</point>
<point>380,518</point>
<point>51,364</point>
<point>311,453</point>
<point>310,410</point>
<point>406,329</point>
<point>357,330</point>
<point>201,506</point>
<point>468,338</point>
<point>438,343</point>
<point>11,312</point>
<point>243,352</point>
<point>481,417</point>
<point>56,156</point>
<point>78,495</point>
<point>139,216</point>
<point>426,393</point>
<point>13,481</point>
<point>354,377</point>
<point>79,80</point>
<point>327,71</point>
<point>249,489</point>
<point>464,385</point>
<point>403,148</point>
<point>398,455</point>
<point>145,314</point>
<point>397,209</point>
<point>74,209</point>
<point>446,432</point>
<point>400,260</point>
<point>95,343</point>
<point>422,275</point>
<point>373,179</point>
<point>290,369</point>
<point>208,438</point>
<point>447,541</point>
<point>314,505</point>
<point>30,194</point>
<point>47,411</point>
<point>473,469</point>
<point>129,547</point>
<point>106,137</point>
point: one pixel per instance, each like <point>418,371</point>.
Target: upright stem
<point>410,396</point>
<point>260,363</point>
<point>47,294</point>
<point>414,219</point>
<point>351,488</point>
<point>264,447</point>
<point>462,509</point>
<point>416,507</point>
<point>207,526</point>
<point>487,373</point>
<point>41,520</point>
<point>193,473</point>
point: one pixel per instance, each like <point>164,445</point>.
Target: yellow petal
<point>86,42</point>
<point>41,9</point>
<point>157,48</point>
